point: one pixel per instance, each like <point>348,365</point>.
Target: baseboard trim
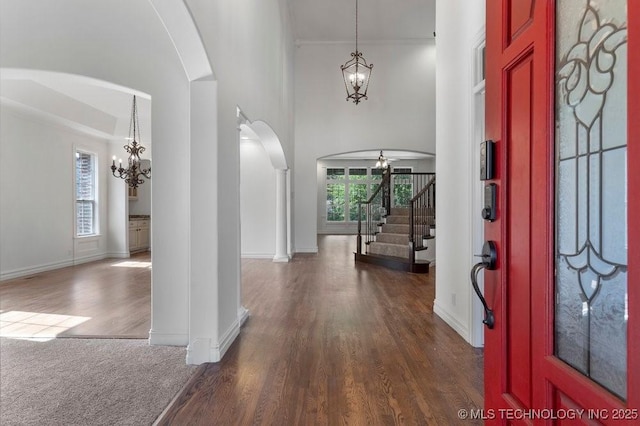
<point>229,336</point>
<point>256,255</point>
<point>168,339</point>
<point>90,258</point>
<point>119,255</point>
<point>307,250</point>
<point>30,270</point>
<point>201,350</point>
<point>243,315</point>
<point>281,259</point>
<point>450,319</point>
<point>198,351</point>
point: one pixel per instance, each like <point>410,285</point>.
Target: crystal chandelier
<point>356,73</point>
<point>132,173</point>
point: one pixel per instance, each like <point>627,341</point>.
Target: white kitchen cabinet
<point>139,235</point>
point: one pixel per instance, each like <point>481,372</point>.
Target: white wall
<point>457,24</point>
<point>37,200</point>
<point>400,114</point>
<point>87,38</point>
<point>257,201</point>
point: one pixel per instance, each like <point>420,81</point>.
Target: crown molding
<point>407,41</point>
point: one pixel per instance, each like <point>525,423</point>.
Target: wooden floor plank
<point>332,342</point>
<point>108,298</point>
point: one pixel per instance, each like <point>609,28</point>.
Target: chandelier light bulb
<point>357,79</point>
<point>382,162</point>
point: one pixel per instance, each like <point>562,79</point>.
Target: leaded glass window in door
<point>591,189</point>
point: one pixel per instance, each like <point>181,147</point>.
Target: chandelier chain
<point>134,122</point>
<point>356,26</point>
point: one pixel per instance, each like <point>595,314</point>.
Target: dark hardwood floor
<point>108,298</point>
<point>328,341</point>
<point>332,342</point>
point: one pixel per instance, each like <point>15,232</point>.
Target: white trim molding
<point>307,250</point>
<point>31,270</point>
<point>168,339</point>
<point>243,315</point>
<point>450,319</point>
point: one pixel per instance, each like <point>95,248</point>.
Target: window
<point>402,187</point>
<point>335,194</point>
<point>357,191</point>
<point>86,223</point>
<point>346,188</point>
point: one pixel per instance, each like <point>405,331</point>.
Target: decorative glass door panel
<point>591,308</point>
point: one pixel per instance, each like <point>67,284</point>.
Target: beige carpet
<point>87,382</point>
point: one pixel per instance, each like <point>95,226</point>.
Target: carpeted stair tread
<point>399,211</point>
<point>418,219</point>
<point>388,249</point>
<point>392,238</point>
<point>399,219</point>
<point>395,228</point>
<point>399,228</point>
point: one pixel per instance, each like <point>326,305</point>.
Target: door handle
<point>489,259</point>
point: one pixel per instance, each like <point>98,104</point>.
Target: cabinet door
<point>133,238</point>
<point>143,238</point>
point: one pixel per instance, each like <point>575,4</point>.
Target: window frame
<point>347,180</point>
<point>401,170</point>
<point>95,196</point>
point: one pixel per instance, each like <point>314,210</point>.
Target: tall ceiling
<point>313,21</point>
<point>378,20</point>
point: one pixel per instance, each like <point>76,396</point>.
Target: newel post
<point>359,239</point>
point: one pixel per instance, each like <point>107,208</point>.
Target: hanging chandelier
<point>356,73</point>
<point>132,174</point>
<point>382,162</point>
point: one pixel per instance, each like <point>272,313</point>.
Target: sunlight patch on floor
<point>132,264</point>
<point>36,326</point>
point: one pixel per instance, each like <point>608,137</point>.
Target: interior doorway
<point>65,250</point>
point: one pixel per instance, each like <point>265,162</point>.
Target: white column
<point>204,302</point>
<point>281,216</point>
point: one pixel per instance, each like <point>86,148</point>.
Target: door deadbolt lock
<point>489,210</point>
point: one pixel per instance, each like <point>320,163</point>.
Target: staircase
<point>391,241</point>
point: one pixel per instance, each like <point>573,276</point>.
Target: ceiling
<point>378,20</point>
<point>104,110</point>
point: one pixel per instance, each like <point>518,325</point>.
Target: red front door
<point>565,348</point>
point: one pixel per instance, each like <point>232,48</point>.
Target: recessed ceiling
<point>378,20</point>
<point>97,108</point>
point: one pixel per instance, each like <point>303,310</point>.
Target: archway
<point>264,183</point>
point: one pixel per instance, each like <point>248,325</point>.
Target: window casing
<point>86,190</point>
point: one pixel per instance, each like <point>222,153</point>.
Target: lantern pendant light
<point>356,72</point>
